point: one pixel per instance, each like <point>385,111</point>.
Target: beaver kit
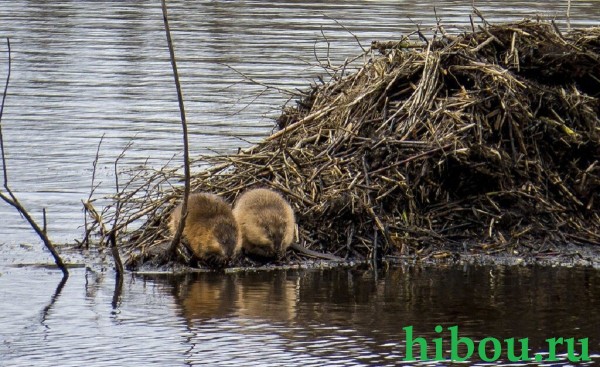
<point>211,230</point>
<point>486,141</point>
<point>267,223</point>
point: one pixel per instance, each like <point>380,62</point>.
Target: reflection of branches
<point>9,196</point>
<point>55,296</point>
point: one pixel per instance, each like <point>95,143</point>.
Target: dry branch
<point>10,198</point>
<point>186,158</point>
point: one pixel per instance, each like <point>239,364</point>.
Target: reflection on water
<point>84,69</point>
<point>291,318</point>
<point>351,317</point>
<point>255,295</point>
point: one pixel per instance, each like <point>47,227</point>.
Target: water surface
<point>287,318</point>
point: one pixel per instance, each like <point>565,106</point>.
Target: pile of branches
<point>488,139</point>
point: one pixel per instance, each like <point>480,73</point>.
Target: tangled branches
<point>490,139</point>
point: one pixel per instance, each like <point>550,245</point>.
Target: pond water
<point>83,70</point>
<point>291,318</point>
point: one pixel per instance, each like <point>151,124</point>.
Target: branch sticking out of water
<point>186,157</point>
<point>88,206</point>
<point>112,237</point>
<point>10,198</point>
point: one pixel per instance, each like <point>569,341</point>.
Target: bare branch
<point>347,30</point>
<point>186,155</point>
<point>112,237</point>
<point>252,80</point>
<point>12,199</point>
<point>87,204</point>
<point>2,113</point>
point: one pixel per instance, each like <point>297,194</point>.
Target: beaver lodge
<point>487,141</point>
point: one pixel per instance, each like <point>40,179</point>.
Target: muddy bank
<point>564,256</point>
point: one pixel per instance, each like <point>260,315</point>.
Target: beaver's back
<point>210,227</point>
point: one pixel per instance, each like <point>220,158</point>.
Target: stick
<point>88,229</point>
<point>1,114</point>
<point>375,251</point>
<point>11,199</point>
<point>569,15</point>
<point>45,222</point>
<point>300,248</point>
<point>364,50</point>
<point>288,92</point>
<point>116,299</point>
<point>186,156</point>
<point>112,238</point>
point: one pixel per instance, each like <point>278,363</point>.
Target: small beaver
<point>267,223</point>
<point>211,230</point>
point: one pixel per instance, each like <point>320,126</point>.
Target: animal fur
<point>211,230</point>
<point>267,222</point>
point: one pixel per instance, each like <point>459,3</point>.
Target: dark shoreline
<point>567,257</point>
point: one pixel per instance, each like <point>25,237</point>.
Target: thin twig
<point>289,92</point>
<point>113,233</point>
<point>2,113</point>
<point>364,50</point>
<point>569,15</point>
<point>89,229</point>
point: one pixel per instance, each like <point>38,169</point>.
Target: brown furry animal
<point>211,230</point>
<point>267,223</point>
